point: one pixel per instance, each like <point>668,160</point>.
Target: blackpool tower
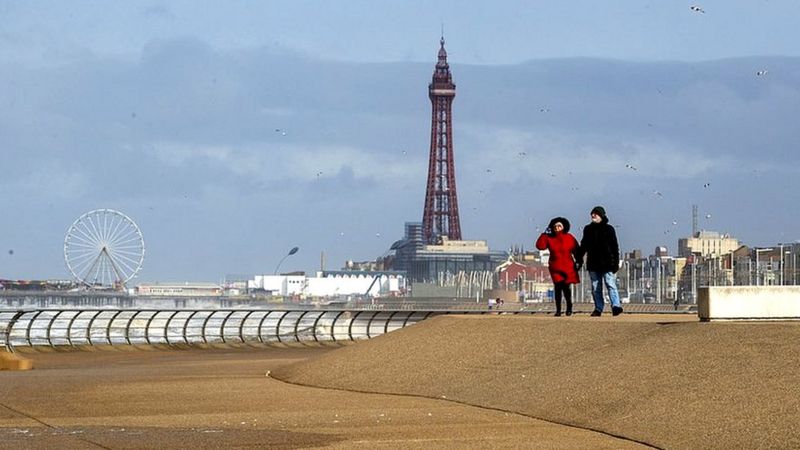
<point>441,201</point>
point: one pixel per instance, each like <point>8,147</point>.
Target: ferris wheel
<point>104,248</point>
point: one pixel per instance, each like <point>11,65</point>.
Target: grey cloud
<point>105,120</point>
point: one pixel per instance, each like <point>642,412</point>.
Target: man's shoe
<point>596,313</point>
<point>569,313</point>
<point>557,314</point>
<point>616,310</point>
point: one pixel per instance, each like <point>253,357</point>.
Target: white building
<point>707,244</point>
<point>332,284</point>
<point>179,289</point>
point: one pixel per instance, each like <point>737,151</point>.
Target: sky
<point>232,131</point>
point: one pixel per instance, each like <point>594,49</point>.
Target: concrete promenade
<point>222,398</point>
<point>494,381</point>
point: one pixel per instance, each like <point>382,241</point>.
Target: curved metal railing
<point>73,327</point>
<point>79,326</point>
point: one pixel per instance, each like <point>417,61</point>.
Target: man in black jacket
<point>599,244</point>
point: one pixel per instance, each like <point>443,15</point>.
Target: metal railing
<point>79,326</point>
<point>73,327</point>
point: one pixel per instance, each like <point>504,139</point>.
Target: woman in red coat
<point>562,246</point>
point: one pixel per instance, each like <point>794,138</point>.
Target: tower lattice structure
<point>440,217</point>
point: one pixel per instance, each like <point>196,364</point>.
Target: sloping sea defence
<point>682,384</point>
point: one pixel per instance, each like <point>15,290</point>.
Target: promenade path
<point>666,380</point>
<point>125,398</point>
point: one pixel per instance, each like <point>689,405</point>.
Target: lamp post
<point>291,252</point>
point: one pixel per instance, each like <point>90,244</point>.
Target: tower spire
<point>440,217</point>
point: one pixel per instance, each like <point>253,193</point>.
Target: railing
<point>73,327</point>
<point>77,326</point>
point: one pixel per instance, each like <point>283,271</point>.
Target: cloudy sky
<point>233,131</point>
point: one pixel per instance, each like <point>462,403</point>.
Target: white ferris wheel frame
<point>104,247</point>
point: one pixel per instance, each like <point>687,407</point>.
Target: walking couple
<point>599,245</point>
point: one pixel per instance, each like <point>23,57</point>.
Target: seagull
<point>11,252</point>
<point>319,174</point>
<point>697,8</point>
<point>705,185</point>
<point>629,166</point>
<point>522,154</point>
<point>708,216</point>
<point>761,72</point>
<point>488,170</point>
<point>544,110</point>
<point>404,152</point>
<point>674,222</point>
<point>278,130</point>
<point>657,193</point>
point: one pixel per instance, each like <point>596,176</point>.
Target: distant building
<point>531,280</point>
<point>426,263</point>
<point>334,283</point>
<point>38,285</point>
<point>707,244</point>
<point>179,289</point>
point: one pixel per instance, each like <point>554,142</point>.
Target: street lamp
<point>291,252</point>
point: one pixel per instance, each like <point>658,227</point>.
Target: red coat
<point>562,265</point>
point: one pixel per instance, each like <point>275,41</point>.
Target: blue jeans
<point>610,279</point>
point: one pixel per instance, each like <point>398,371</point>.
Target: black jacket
<point>600,244</point>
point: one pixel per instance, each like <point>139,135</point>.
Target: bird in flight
<point>697,8</point>
<point>629,166</point>
<point>761,73</point>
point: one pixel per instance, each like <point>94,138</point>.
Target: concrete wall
<point>748,302</point>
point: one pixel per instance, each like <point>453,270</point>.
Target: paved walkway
<point>670,381</point>
<point>222,398</point>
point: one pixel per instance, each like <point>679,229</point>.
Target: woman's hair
<point>561,220</point>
